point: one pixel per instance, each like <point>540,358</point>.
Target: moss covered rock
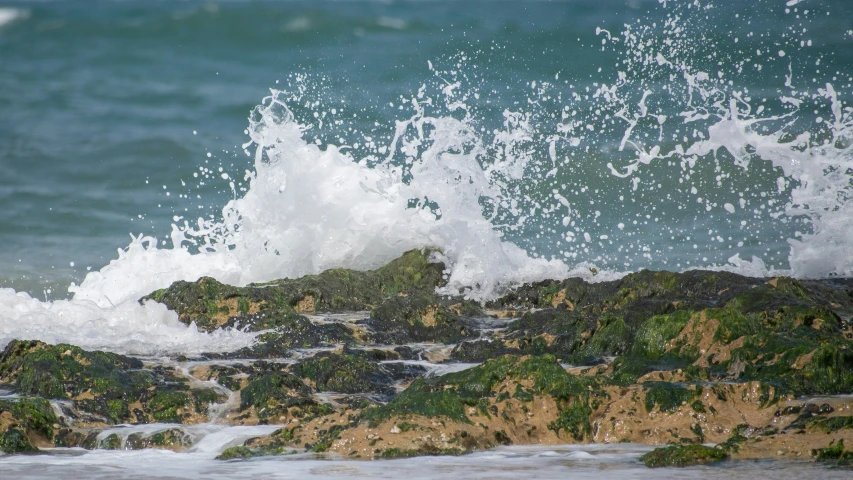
<point>174,439</point>
<point>273,394</point>
<point>421,317</point>
<point>211,304</point>
<point>834,453</point>
<point>348,372</point>
<point>113,387</point>
<point>24,421</point>
<point>683,456</point>
<point>452,395</point>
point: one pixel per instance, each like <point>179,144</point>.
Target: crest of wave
<point>310,209</point>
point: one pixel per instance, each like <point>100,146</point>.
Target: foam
<point>128,327</point>
<point>310,209</point>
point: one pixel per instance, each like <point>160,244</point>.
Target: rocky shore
<point>708,366</point>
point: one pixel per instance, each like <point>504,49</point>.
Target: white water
<point>127,327</point>
<point>509,463</point>
<point>309,208</point>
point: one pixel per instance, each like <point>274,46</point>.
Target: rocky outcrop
<point>709,366</point>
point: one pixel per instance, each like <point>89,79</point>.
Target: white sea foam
<point>310,209</point>
<point>128,327</point>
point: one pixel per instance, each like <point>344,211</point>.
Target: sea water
<point>527,140</point>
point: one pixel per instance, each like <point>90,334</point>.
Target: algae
<point>683,456</point>
<point>345,373</point>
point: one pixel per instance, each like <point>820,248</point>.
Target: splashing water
<point>730,123</point>
<point>310,209</point>
<point>538,193</point>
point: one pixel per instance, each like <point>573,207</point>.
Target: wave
<point>442,179</point>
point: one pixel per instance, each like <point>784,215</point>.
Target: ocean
<point>144,142</point>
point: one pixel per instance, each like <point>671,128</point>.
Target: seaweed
<point>345,373</point>
<point>668,397</point>
<point>683,456</point>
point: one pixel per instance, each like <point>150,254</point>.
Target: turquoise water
<point>110,108</point>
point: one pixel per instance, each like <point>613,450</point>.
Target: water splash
<point>533,189</point>
<point>811,149</point>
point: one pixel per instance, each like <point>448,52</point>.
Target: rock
<point>212,305</point>
<point>834,453</point>
<point>272,393</point>
<point>349,372</point>
<point>23,421</point>
<point>417,317</point>
<point>683,456</point>
<point>101,383</point>
<point>658,358</point>
<point>16,441</point>
<point>174,439</point>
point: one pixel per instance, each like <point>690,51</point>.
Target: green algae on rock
<point>113,387</point>
<point>421,317</point>
<point>271,394</point>
<point>451,395</point>
<point>423,451</point>
<point>683,456</point>
<point>211,304</point>
<point>655,357</point>
<point>171,439</point>
<point>16,441</point>
<point>241,452</point>
<point>834,453</point>
<point>345,373</point>
<point>23,421</point>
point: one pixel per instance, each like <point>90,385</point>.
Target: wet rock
<point>172,439</point>
<point>404,372</point>
<point>114,387</point>
<point>417,318</point>
<point>68,437</point>
<point>273,394</point>
<point>23,421</point>
<point>211,304</point>
<point>293,333</point>
<point>231,377</point>
<point>481,350</point>
<point>655,357</point>
<point>408,353</point>
<point>241,452</point>
<point>451,394</point>
<point>834,453</point>
<point>110,442</point>
<point>683,456</point>
<point>669,397</point>
<point>424,450</point>
<point>349,372</point>
<point>16,441</point>
<point>834,424</point>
